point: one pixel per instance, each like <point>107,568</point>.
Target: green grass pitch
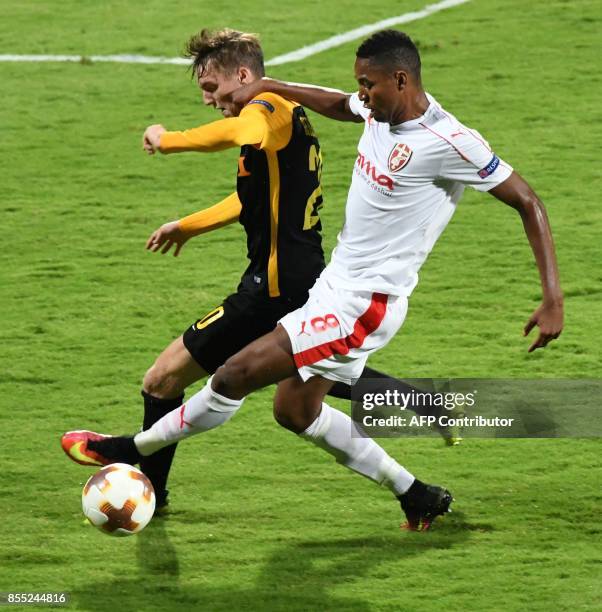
<point>262,521</point>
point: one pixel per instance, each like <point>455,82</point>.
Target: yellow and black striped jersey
<point>279,191</point>
<point>279,187</point>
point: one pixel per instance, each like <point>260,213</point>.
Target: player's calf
<point>161,383</point>
<point>163,391</point>
<point>173,371</point>
<point>157,466</point>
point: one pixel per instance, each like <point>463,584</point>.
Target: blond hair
<point>227,50</point>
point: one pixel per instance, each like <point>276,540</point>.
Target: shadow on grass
<point>297,576</point>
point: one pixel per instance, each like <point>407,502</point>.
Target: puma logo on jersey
<point>303,324</point>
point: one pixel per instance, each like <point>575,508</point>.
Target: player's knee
<point>160,383</point>
<point>234,378</point>
<point>240,375</point>
<point>282,416</point>
<point>294,413</point>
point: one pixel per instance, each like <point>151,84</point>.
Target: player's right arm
<point>331,103</point>
<point>250,129</point>
<point>264,125</point>
<point>179,232</point>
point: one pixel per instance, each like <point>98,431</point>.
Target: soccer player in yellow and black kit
<point>277,200</point>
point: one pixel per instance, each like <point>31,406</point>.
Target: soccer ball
<point>119,500</point>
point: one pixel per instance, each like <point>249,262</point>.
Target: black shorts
<point>242,317</point>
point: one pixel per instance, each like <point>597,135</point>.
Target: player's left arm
<point>517,193</point>
<point>179,232</point>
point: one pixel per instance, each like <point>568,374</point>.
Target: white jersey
<point>406,183</point>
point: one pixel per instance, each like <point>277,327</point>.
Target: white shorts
<point>336,330</point>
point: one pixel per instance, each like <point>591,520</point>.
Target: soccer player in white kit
<point>414,161</point>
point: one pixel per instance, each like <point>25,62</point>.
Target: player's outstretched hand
<point>152,138</point>
<point>165,237</point>
<point>548,317</point>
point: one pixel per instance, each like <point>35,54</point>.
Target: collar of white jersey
<point>402,127</point>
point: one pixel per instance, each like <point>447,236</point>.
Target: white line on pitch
<point>293,56</point>
<point>118,59</point>
<point>341,39</point>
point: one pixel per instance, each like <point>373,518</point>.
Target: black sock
<point>373,381</point>
<point>157,465</point>
<point>343,390</point>
<point>119,449</point>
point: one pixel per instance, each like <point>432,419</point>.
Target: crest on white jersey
<point>399,157</point>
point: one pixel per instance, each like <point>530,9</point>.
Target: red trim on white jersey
<point>471,133</point>
<point>468,131</point>
<point>367,323</point>
<point>449,142</point>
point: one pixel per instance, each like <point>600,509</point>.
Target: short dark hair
<point>393,49</point>
<point>227,49</point>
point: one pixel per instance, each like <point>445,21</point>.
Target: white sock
<point>338,435</point>
<point>203,411</point>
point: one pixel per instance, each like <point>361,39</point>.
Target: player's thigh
<point>263,362</point>
<point>174,370</point>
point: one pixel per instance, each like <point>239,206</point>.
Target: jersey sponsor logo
<point>490,167</point>
<point>263,103</point>
<point>399,157</point>
<point>369,169</point>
